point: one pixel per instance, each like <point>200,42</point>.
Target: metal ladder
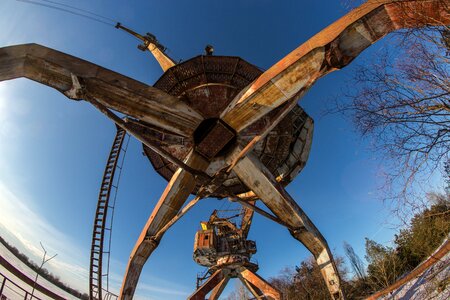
<point>103,220</point>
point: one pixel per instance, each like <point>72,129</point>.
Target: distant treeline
<point>44,272</point>
<point>413,244</point>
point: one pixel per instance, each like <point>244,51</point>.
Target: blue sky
<point>53,150</point>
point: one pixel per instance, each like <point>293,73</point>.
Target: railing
<point>434,258</point>
<point>27,280</point>
<point>8,287</point>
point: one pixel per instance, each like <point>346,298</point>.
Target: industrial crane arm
<point>151,44</point>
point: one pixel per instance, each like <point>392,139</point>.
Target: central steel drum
<point>208,84</point>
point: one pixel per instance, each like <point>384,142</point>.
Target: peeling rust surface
<point>216,138</point>
<point>208,286</point>
<point>277,199</point>
<point>258,286</point>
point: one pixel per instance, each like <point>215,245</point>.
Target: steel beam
<point>247,219</point>
<point>168,206</point>
<point>212,282</point>
<point>259,179</point>
<point>253,207</point>
<point>115,91</point>
<point>150,44</point>
<point>257,293</point>
<point>144,140</point>
<point>331,49</point>
<point>164,61</point>
<point>260,288</point>
<point>217,291</point>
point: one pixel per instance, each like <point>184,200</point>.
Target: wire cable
<point>57,5</point>
<point>79,9</point>
<point>94,17</point>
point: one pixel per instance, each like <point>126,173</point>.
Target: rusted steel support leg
<point>257,293</point>
<point>180,214</point>
<point>260,288</point>
<point>171,201</point>
<point>254,208</point>
<point>259,179</point>
<point>247,219</point>
<point>113,90</point>
<point>212,282</point>
<point>331,49</point>
<point>217,291</point>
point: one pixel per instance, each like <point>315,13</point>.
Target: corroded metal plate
<point>208,84</point>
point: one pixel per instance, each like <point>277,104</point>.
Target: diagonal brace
<point>260,180</point>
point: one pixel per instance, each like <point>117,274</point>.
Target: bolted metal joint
<point>298,231</point>
<point>78,89</point>
<point>154,241</point>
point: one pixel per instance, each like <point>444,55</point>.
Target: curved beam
<point>113,90</point>
<point>259,179</point>
<point>168,206</point>
<point>331,49</point>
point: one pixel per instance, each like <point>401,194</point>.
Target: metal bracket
<point>152,240</point>
<point>77,91</point>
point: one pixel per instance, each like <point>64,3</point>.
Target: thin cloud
<point>158,288</point>
<point>29,228</point>
<point>173,291</point>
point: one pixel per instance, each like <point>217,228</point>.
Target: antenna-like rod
<point>151,44</point>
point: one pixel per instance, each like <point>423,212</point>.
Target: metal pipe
<point>159,150</point>
<point>258,210</point>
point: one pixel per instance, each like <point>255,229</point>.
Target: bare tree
<point>240,292</point>
<point>355,262</point>
<point>384,265</point>
<point>44,261</point>
<point>400,99</point>
<point>305,282</point>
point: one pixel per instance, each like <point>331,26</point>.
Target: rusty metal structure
<point>224,249</point>
<point>217,126</point>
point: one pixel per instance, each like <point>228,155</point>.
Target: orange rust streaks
<point>217,291</point>
<point>252,280</point>
<point>209,285</point>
